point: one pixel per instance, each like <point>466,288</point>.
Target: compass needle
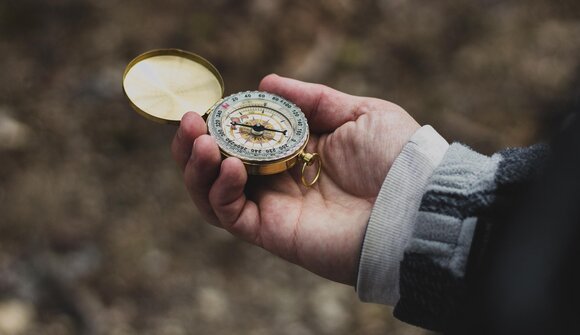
<point>267,132</point>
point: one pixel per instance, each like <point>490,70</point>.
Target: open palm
<point>320,228</point>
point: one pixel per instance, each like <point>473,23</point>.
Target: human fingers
<point>191,127</point>
<point>201,170</point>
<point>325,108</point>
<point>235,212</point>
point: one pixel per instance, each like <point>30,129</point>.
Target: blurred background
<point>97,233</point>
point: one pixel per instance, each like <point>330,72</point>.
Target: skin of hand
<point>320,228</point>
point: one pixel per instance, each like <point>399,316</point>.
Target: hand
<point>320,228</point>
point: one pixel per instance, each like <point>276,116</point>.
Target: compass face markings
<point>244,130</point>
<point>258,126</point>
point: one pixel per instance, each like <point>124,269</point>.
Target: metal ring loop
<point>309,159</point>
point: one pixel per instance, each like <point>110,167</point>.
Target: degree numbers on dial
<point>258,126</point>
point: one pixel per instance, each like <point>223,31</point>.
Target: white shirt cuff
<point>393,216</point>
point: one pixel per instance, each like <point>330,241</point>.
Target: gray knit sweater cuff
<point>432,273</point>
<point>444,226</point>
<point>394,213</point>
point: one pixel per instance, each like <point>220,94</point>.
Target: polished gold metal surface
<point>164,84</point>
<point>309,159</point>
<point>272,167</point>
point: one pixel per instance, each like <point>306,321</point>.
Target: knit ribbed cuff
<point>393,216</point>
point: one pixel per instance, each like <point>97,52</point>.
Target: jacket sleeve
<point>463,189</point>
<point>393,216</point>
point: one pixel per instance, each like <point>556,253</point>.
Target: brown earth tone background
<point>97,234</point>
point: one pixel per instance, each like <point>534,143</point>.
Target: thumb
<point>236,213</point>
<point>325,108</point>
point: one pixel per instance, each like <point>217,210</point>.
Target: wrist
<point>393,215</point>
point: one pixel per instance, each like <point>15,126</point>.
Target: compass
<point>267,132</point>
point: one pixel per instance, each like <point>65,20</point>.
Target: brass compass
<point>266,132</point>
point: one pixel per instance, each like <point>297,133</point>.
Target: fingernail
<point>184,115</point>
<point>194,146</point>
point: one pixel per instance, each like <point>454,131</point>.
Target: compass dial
<point>258,126</point>
<point>266,132</point>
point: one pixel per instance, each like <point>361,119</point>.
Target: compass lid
<point>164,84</point>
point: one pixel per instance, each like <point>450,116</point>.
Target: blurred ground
<point>97,234</point>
